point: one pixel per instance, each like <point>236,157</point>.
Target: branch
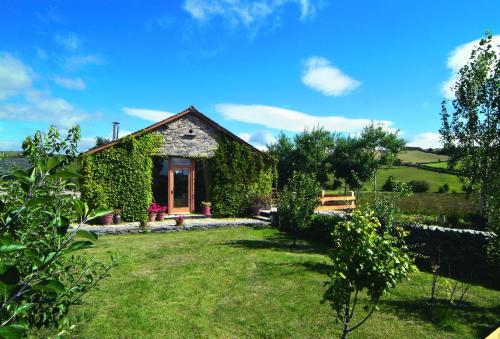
<point>365,319</point>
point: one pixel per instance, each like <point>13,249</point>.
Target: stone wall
<point>201,142</point>
<point>461,253</point>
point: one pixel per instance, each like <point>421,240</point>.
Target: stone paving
<point>169,225</point>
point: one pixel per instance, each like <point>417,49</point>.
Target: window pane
<point>181,183</point>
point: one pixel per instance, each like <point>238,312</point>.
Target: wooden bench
<point>332,202</point>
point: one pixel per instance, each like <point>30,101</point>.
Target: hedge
<point>121,176</point>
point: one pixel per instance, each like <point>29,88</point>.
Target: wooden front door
<point>181,183</point>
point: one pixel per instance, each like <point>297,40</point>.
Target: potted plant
<point>152,211</point>
<point>117,218</point>
<point>179,220</point>
<point>206,206</point>
<point>162,212</point>
<point>258,203</point>
<point>106,219</point>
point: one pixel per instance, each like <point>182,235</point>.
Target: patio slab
<point>169,225</point>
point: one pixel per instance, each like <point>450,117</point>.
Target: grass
<point>242,282</point>
<point>421,157</point>
<point>407,173</point>
<point>442,164</point>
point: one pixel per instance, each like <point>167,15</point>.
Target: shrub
<point>41,274</point>
<point>297,201</point>
<point>363,258</point>
<point>444,189</point>
<point>419,186</point>
<point>389,184</point>
<point>321,227</point>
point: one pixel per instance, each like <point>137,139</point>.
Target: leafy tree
<point>471,132</point>
<point>363,259</point>
<point>350,162</point>
<point>297,201</point>
<point>100,141</point>
<point>307,152</point>
<point>383,147</point>
<point>41,275</point>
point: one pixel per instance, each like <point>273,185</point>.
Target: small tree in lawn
<point>383,147</point>
<point>471,133</point>
<point>363,259</point>
<point>297,201</point>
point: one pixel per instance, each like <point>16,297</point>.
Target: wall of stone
<point>461,253</point>
<point>179,142</point>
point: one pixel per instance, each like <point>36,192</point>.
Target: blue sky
<point>256,67</point>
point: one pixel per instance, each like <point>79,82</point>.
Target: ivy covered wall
<point>238,174</point>
<point>121,176</point>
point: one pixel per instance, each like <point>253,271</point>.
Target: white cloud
<point>458,58</point>
<point>245,136</point>
<point>77,61</point>
<point>321,76</point>
<point>247,13</point>
<point>147,114</point>
<point>259,139</point>
<point>15,76</point>
<point>290,120</point>
<point>69,83</point>
<point>70,41</point>
<point>427,140</point>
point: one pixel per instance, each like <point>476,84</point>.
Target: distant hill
<point>421,157</point>
<point>9,163</point>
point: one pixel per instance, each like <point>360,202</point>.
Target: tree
<point>99,141</point>
<point>383,147</point>
<point>363,259</point>
<point>41,273</point>
<point>350,162</point>
<point>471,132</point>
<point>297,201</point>
<point>306,152</point>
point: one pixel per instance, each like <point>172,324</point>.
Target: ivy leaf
<point>79,245</point>
<point>12,331</point>
<point>87,235</point>
<point>53,285</point>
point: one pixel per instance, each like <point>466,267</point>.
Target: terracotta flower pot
<point>152,217</point>
<point>161,216</point>
<point>106,219</point>
<point>206,211</point>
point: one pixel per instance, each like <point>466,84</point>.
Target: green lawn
<point>421,157</point>
<point>241,282</point>
<point>442,164</point>
<point>407,173</point>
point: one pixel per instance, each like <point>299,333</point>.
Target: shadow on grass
<point>483,320</point>
<point>281,242</point>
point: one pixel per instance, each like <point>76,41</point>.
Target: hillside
<point>421,157</point>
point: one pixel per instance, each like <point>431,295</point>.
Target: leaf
<point>79,245</point>
<point>12,331</point>
<point>53,285</point>
<point>23,308</point>
<point>39,201</point>
<point>66,175</point>
<point>7,244</point>
<point>87,235</point>
<point>33,256</point>
<point>2,205</point>
<point>53,162</point>
<point>98,212</point>
<point>9,274</point>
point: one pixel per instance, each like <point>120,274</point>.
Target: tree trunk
<point>375,180</point>
<point>345,323</point>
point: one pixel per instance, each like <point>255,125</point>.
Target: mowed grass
<point>243,282</point>
<point>408,173</point>
<point>442,164</point>
<point>421,157</point>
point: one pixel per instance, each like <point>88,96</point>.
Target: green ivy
<point>238,173</point>
<point>121,176</point>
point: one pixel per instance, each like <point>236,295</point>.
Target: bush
<point>419,186</point>
<point>297,201</point>
<point>322,226</point>
<point>389,184</point>
<point>444,189</point>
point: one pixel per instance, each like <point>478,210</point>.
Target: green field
<point>241,282</point>
<point>442,164</point>
<point>407,173</point>
<point>421,157</point>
